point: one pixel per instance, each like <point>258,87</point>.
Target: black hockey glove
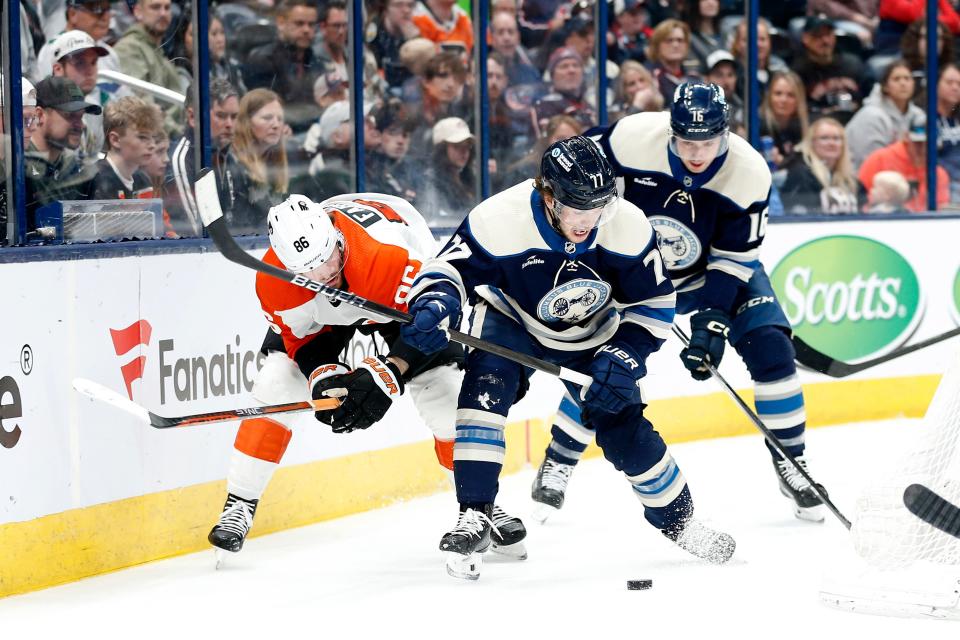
<point>708,337</point>
<point>325,372</point>
<point>616,377</point>
<point>365,393</point>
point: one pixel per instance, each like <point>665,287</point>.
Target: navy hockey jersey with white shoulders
<point>611,288</point>
<point>710,225</point>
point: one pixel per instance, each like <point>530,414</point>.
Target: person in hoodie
<point>885,115</point>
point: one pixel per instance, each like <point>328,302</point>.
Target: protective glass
<point>585,218</point>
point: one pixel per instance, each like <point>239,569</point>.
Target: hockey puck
<point>639,585</point>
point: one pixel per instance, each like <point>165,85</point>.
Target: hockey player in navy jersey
<point>705,193</point>
<point>561,268</point>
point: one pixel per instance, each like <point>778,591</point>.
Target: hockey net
<point>908,567</point>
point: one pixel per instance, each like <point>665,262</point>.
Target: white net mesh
<point>884,533</point>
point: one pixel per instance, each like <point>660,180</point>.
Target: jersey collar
<point>691,181</point>
<point>553,239</point>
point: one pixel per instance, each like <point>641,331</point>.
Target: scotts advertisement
<point>849,296</point>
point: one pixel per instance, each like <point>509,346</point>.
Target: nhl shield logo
<point>573,301</point>
<point>679,245</point>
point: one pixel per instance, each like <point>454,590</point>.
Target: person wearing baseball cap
<point>722,71</point>
<point>91,17</point>
<point>447,193</point>
<point>30,120</point>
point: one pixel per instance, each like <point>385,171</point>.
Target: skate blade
<point>542,512</point>
<point>463,567</point>
<point>221,558</point>
<point>809,514</point>
<point>515,551</point>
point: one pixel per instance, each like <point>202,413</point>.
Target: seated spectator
<point>392,28</point>
<point>705,36</point>
<point>914,48</point>
<point>222,66</point>
<point>332,50</point>
<point>819,177</point>
<point>414,55</point>
<point>181,51</point>
<point>558,128</point>
<point>721,70</point>
<point>636,91</point>
<point>767,62</point>
<point>834,80</point>
<point>566,94</point>
<point>178,192</point>
<point>329,141</point>
<point>908,157</point>
<point>511,130</point>
<point>157,170</point>
<point>449,190</point>
<point>141,55</point>
<point>129,126</point>
<point>889,194</point>
<point>260,150</point>
<point>505,40</point>
<point>51,164</point>
<point>632,31</point>
<point>76,56</point>
<point>288,65</point>
<point>441,93</point>
<point>93,18</point>
<point>389,168</point>
<point>669,57</point>
<point>30,122</point>
<point>783,114</point>
<point>885,115</point>
<point>948,124</point>
<point>897,15</point>
<point>330,87</point>
<point>444,21</point>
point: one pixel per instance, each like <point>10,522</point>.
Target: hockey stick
<point>933,509</point>
<point>208,201</point>
<point>99,392</point>
<point>822,363</point>
<point>772,439</point>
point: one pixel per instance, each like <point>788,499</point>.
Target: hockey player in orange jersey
<point>372,245</point>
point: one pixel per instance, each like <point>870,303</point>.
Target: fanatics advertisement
<point>180,334</point>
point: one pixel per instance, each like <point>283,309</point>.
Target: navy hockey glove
<point>366,393</point>
<point>433,313</point>
<point>708,336</point>
<point>616,376</point>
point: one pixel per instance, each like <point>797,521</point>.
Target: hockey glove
<point>325,372</point>
<point>365,393</point>
<point>433,313</point>
<point>616,377</point>
<point>708,336</point>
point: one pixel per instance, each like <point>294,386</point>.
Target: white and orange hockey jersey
<point>386,240</point>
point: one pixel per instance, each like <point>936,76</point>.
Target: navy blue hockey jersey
<point>608,289</point>
<point>710,225</point>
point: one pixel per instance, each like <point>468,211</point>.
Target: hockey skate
<point>508,535</point>
<point>700,540</point>
<point>233,526</point>
<point>549,487</point>
<point>807,505</point>
<point>465,545</point>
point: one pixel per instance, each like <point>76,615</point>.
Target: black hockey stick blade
<point>208,201</point>
<point>104,394</point>
<point>772,439</point>
<point>822,363</point>
<point>933,509</point>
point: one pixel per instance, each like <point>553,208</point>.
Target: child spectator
<point>889,194</point>
<point>129,127</point>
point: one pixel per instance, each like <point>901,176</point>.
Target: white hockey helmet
<point>302,234</point>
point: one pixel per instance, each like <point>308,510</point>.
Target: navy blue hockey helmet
<point>577,174</point>
<point>699,111</point>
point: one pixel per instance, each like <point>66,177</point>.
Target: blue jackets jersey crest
<point>569,297</point>
<point>710,225</point>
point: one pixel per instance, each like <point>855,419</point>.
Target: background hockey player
<point>372,245</point>
<point>705,192</point>
<point>563,269</point>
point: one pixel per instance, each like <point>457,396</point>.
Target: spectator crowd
<point>841,124</point>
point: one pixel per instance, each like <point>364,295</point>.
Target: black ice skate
<point>807,505</point>
<point>231,529</point>
<point>549,488</point>
<point>508,535</point>
<point>700,540</point>
<point>464,545</point>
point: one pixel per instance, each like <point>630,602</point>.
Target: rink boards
<point>87,489</point>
